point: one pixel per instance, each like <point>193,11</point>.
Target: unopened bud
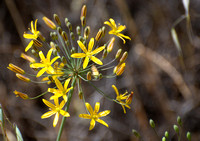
<point>59,30</point>
<point>111,44</point>
<point>124,56</point>
<point>179,120</point>
<point>69,25</point>
<point>78,30</point>
<point>136,133</point>
<point>152,124</point>
<point>15,69</point>
<point>57,48</point>
<point>189,136</point>
<point>103,31</point>
<point>49,23</point>
<point>53,35</point>
<point>28,58</point>
<point>176,129</point>
<point>21,95</point>
<point>95,71</point>
<point>87,32</point>
<point>23,78</point>
<point>105,53</point>
<point>164,139</point>
<point>57,19</point>
<point>80,94</point>
<point>34,47</point>
<point>120,69</point>
<point>89,75</point>
<point>63,59</point>
<point>83,21</point>
<point>99,35</point>
<point>37,43</point>
<point>73,50</point>
<point>34,53</point>
<point>167,134</point>
<point>72,35</point>
<point>129,98</point>
<point>118,53</point>
<point>83,11</point>
<point>52,44</point>
<point>64,36</point>
<point>51,78</point>
<point>66,21</point>
<point>42,37</point>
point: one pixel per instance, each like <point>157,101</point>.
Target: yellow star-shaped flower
<point>88,54</point>
<point>45,63</point>
<point>121,97</point>
<point>94,115</point>
<point>117,29</point>
<point>32,36</point>
<point>55,109</point>
<point>61,91</point>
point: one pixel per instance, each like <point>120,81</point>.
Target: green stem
<point>66,108</point>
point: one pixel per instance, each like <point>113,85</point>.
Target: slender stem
<point>66,108</point>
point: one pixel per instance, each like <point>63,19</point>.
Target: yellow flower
<point>32,36</point>
<point>61,91</point>
<point>45,63</point>
<point>121,97</point>
<point>94,115</point>
<point>55,109</point>
<point>88,54</point>
<point>117,29</point>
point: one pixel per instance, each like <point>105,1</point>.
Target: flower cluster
<point>70,58</point>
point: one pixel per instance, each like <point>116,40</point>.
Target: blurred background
<point>165,79</point>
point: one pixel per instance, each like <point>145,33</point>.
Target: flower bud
<point>176,129</point>
<point>120,69</point>
<point>42,37</point>
<point>37,43</point>
<point>83,21</point>
<point>87,32</point>
<point>179,120</point>
<point>78,30</point>
<point>95,71</point>
<point>118,53</point>
<point>34,47</point>
<point>57,19</point>
<point>80,94</point>
<point>57,48</point>
<point>124,56</point>
<point>105,53</point>
<point>167,134</point>
<point>69,25</point>
<point>59,30</point>
<point>72,35</point>
<point>164,139</point>
<point>111,44</point>
<point>15,69</point>
<point>136,133</point>
<point>64,36</point>
<point>99,35</point>
<point>66,21</point>
<point>103,31</point>
<point>23,78</point>
<point>34,53</point>
<point>83,11</point>
<point>152,124</point>
<point>52,44</point>
<point>28,58</point>
<point>188,136</point>
<point>89,75</point>
<point>129,98</point>
<point>49,23</point>
<point>63,59</point>
<point>21,95</point>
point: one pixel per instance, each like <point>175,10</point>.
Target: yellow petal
<point>52,90</point>
<point>116,90</point>
<point>55,121</point>
<point>64,113</point>
<point>49,104</point>
<point>109,24</point>
<point>29,46</point>
<point>37,65</point>
<point>59,85</point>
<point>96,60</point>
<point>112,22</point>
<point>48,114</point>
<point>124,36</point>
<point>97,50</point>
<point>78,55</point>
<point>88,106</point>
<point>104,113</point>
<point>65,98</point>
<point>49,54</point>
<point>102,122</point>
<point>56,101</point>
<point>32,29</point>
<point>41,72</point>
<point>91,44</point>
<point>121,28</point>
<point>92,124</point>
<point>67,83</point>
<point>28,36</point>
<point>42,57</point>
<point>86,116</point>
<point>82,46</point>
<point>96,108</point>
<point>36,24</point>
<point>85,63</point>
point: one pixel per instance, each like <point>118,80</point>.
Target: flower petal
<point>116,90</point>
<point>66,83</point>
<point>29,46</point>
<point>42,57</point>
<point>104,113</point>
<point>102,122</point>
<point>82,46</point>
<point>91,44</point>
<point>97,50</point>
<point>35,25</point>
<point>96,108</point>
<point>113,22</point>
<point>88,106</point>
<point>28,36</point>
<point>49,104</point>
<point>48,114</point>
<point>120,28</point>
<point>49,54</point>
<point>78,55</point>
<point>37,65</point>
<point>92,124</point>
<point>86,116</point>
<point>85,63</point>
<point>59,85</point>
<point>55,121</point>
<point>96,60</point>
<point>64,113</point>
<point>54,59</point>
<point>41,72</point>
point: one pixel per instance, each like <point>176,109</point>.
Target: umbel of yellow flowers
<point>67,60</point>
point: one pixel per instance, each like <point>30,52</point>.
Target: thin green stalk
<point>66,108</point>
